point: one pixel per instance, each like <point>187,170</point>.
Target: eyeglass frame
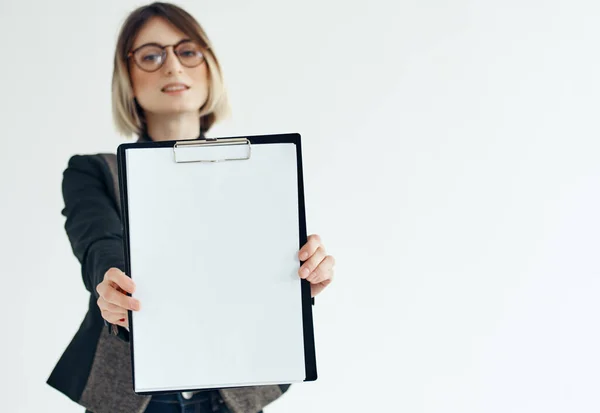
<point>164,53</point>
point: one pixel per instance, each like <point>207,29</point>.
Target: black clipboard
<point>180,155</point>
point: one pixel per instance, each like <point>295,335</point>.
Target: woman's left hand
<point>318,266</point>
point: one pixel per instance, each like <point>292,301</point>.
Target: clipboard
<point>211,231</point>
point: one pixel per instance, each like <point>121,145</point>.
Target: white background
<point>451,167</point>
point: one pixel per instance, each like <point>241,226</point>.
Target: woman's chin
<point>176,110</point>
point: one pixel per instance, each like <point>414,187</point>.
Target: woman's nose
<point>172,63</point>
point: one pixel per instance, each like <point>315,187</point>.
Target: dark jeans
<point>203,402</point>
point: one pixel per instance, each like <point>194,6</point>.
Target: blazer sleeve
<point>93,224</point>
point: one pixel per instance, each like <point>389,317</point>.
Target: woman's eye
<point>150,57</point>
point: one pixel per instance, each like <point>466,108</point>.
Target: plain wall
<point>451,167</point>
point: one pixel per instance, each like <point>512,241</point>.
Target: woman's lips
<point>174,88</point>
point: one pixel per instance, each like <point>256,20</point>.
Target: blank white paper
<point>213,252</point>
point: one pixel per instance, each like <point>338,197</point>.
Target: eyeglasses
<point>151,56</point>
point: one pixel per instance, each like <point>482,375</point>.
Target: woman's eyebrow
<point>160,44</point>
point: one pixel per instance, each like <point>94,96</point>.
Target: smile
<point>175,88</point>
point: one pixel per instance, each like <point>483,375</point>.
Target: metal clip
<point>210,142</point>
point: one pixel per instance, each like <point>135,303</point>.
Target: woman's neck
<point>173,127</point>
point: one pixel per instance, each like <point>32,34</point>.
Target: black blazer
<point>93,226</point>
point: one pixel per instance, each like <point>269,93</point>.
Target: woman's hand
<point>318,267</point>
<point>113,301</point>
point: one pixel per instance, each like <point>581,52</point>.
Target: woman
<point>167,85</point>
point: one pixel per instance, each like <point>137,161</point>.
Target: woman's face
<point>148,87</point>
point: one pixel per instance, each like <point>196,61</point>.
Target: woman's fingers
<point>112,313</point>
<point>110,307</point>
<point>324,270</point>
<point>311,264</point>
<point>113,300</point>
<point>111,295</point>
<point>312,243</point>
<point>118,277</point>
<point>113,318</point>
<point>111,290</point>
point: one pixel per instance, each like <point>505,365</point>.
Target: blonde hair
<point>128,116</point>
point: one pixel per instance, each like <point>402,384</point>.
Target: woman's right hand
<point>113,301</point>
